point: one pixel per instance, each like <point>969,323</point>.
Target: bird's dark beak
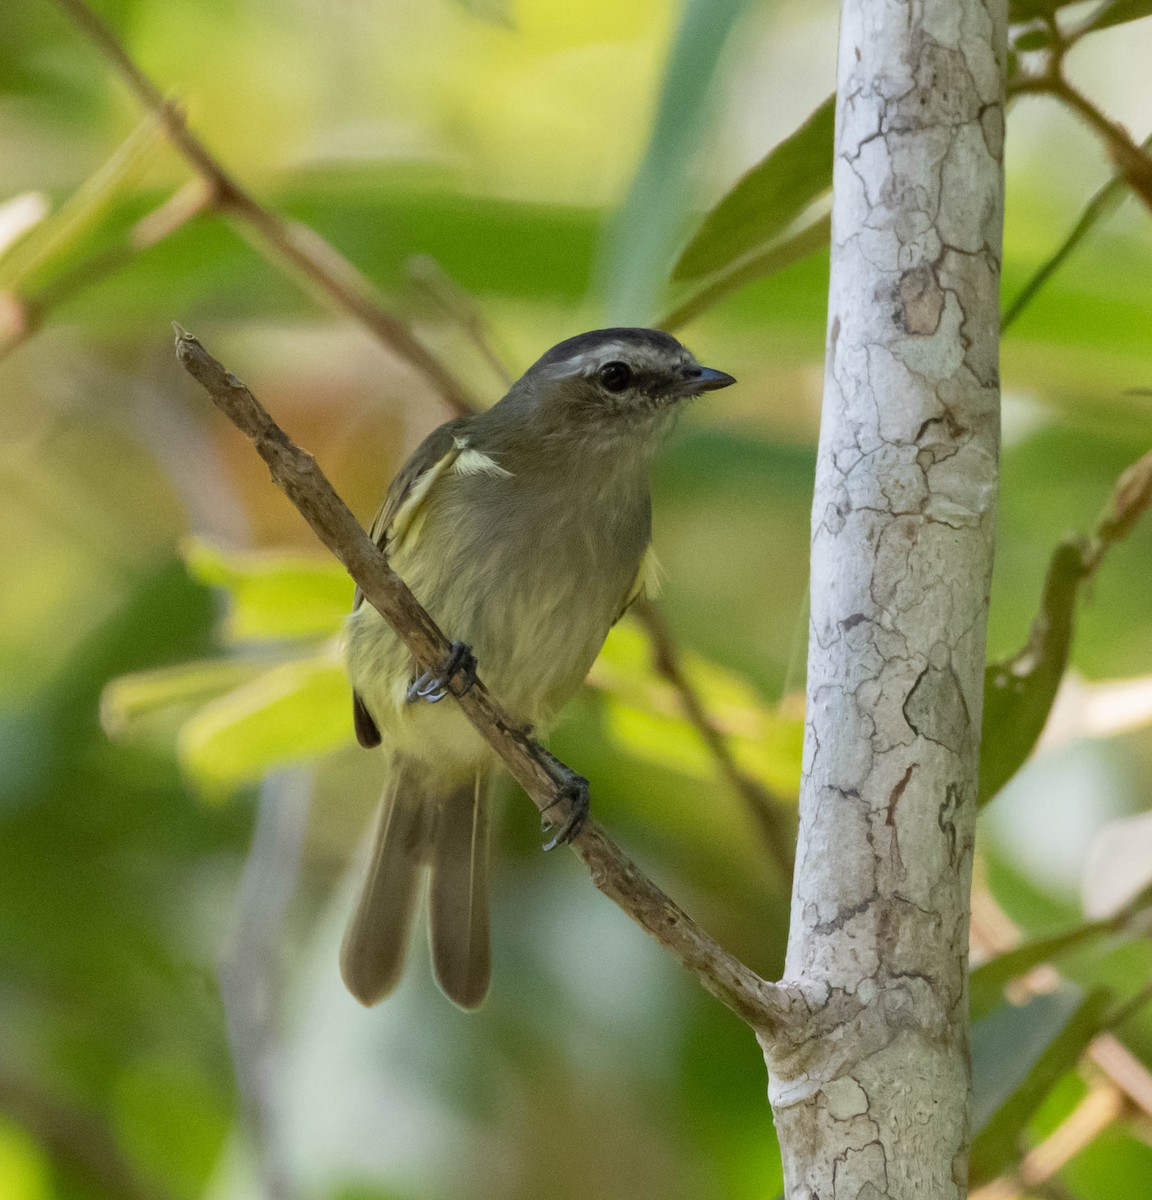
<point>704,379</point>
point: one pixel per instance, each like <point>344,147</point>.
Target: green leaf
<point>1020,11</point>
<point>1103,204</point>
<point>55,241</point>
<point>1018,1054</point>
<point>1018,693</point>
<point>644,716</point>
<point>1035,38</point>
<point>272,595</point>
<point>290,714</point>
<point>779,255</point>
<point>766,200</point>
<point>1117,12</point>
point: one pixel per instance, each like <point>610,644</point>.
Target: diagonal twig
<point>765,1006</point>
<point>299,246</point>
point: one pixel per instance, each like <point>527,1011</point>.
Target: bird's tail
<point>421,825</point>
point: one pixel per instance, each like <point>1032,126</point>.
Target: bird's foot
<point>433,686</point>
<point>571,794</point>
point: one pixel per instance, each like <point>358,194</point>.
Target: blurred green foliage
<point>170,679</point>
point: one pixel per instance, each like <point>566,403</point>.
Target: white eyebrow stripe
<point>476,462</point>
<point>588,361</point>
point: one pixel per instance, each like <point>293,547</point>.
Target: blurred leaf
<point>1117,12</point>
<point>53,242</point>
<point>633,261</point>
<point>644,715</point>
<point>780,254</point>
<point>24,1171</point>
<point>766,200</point>
<point>1028,10</point>
<point>1018,1055</point>
<point>273,595</point>
<point>1018,693</point>
<point>1115,1165</point>
<point>1034,38</point>
<point>663,740</point>
<point>131,700</point>
<point>1103,204</point>
<point>987,982</point>
<point>171,1122</point>
<point>287,715</point>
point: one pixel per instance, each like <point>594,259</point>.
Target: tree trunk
<point>875,1103</point>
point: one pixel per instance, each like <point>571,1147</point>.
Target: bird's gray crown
<point>640,348</point>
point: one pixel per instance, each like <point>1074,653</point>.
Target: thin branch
<point>765,808</point>
<point>1132,160</point>
<point>302,248</point>
<point>762,1005</point>
<point>458,307</point>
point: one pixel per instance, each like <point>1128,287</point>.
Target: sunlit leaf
<point>645,717</point>
<point>274,595</point>
<point>131,701</point>
<point>287,715</point>
<point>1018,1054</point>
<point>766,200</point>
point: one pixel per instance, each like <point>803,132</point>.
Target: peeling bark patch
<point>921,300</point>
<point>936,708</point>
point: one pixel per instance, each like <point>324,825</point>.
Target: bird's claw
<point>433,686</point>
<point>572,794</point>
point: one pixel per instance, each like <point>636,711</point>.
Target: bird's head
<point>615,382</point>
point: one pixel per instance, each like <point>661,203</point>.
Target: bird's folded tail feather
<point>423,824</point>
<point>458,894</point>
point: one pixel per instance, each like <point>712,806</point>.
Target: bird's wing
<point>648,580</point>
<point>400,513</point>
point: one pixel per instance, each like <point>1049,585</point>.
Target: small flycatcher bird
<point>525,531</point>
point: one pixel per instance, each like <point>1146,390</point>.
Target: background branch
<point>765,808</point>
<point>299,246</point>
<point>761,1004</point>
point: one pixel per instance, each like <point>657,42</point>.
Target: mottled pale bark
<point>872,1099</point>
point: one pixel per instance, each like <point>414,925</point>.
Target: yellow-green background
<point>502,140</point>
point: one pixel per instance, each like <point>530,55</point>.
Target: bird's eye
<point>615,376</point>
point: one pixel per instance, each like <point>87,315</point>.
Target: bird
<point>525,531</point>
